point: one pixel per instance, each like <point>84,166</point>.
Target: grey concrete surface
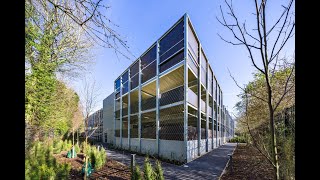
<point>208,166</point>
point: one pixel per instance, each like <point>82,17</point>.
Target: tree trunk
<point>78,136</point>
<point>73,143</point>
<point>273,132</point>
<point>86,159</point>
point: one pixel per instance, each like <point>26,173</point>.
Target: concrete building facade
<point>168,103</point>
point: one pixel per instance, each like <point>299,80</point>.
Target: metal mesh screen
<point>117,130</point>
<point>148,125</point>
<point>172,123</point>
<point>134,126</point>
<point>125,127</point>
<point>192,127</point>
<point>148,103</point>
<point>172,96</point>
<point>117,109</point>
<point>178,57</point>
<point>134,102</point>
<point>210,128</point>
<point>124,105</point>
<point>149,72</point>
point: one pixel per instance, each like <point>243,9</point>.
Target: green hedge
<point>238,139</point>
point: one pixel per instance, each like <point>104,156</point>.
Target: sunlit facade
<point>168,103</point>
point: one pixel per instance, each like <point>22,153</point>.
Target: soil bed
<point>248,163</point>
<point>112,170</point>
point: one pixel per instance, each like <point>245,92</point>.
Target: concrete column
<point>199,99</point>
<point>207,107</point>
<point>139,115</point>
<point>212,112</point>
<point>157,100</point>
<point>129,109</point>
<point>121,111</point>
<point>114,116</point>
<point>185,102</point>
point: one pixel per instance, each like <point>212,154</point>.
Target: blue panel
<point>171,39</point>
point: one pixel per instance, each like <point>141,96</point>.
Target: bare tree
<point>89,100</point>
<point>89,16</point>
<point>263,48</point>
<point>77,120</point>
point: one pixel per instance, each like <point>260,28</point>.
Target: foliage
<point>40,163</point>
<point>158,171</point>
<point>77,148</point>
<point>254,119</point>
<point>50,48</point>
<point>149,173</point>
<point>97,157</point>
<point>60,145</point>
<point>238,139</point>
<point>137,174</point>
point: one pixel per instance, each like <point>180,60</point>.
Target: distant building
<point>108,119</point>
<point>168,103</point>
<point>95,125</point>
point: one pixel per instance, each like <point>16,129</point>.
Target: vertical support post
<point>207,107</point>
<point>121,85</point>
<point>157,99</point>
<point>129,108</point>
<point>216,110</point>
<point>133,162</point>
<point>114,115</point>
<point>139,116</point>
<point>212,112</point>
<point>185,102</point>
<point>199,99</point>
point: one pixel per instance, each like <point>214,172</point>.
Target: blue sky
<point>141,23</point>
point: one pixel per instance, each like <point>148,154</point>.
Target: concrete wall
<point>192,150</point>
<point>214,143</point>
<point>125,144</point>
<point>202,146</point>
<point>108,121</point>
<point>134,144</point>
<point>148,146</point>
<point>170,149</point>
<point>209,144</point>
<point>117,144</point>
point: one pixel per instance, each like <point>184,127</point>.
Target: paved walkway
<point>208,166</point>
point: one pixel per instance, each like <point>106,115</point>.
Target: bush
<point>149,174</point>
<point>98,158</point>
<point>238,139</point>
<point>158,171</point>
<point>40,164</point>
<point>58,146</point>
<point>77,148</point>
<point>136,175</point>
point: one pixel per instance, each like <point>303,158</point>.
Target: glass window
<point>134,81</point>
<point>171,39</point>
<point>149,57</point>
<point>134,69</point>
<point>172,61</point>
<point>117,83</point>
<point>149,72</point>
<point>172,51</point>
<point>125,87</point>
<point>148,65</point>
<point>125,77</point>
